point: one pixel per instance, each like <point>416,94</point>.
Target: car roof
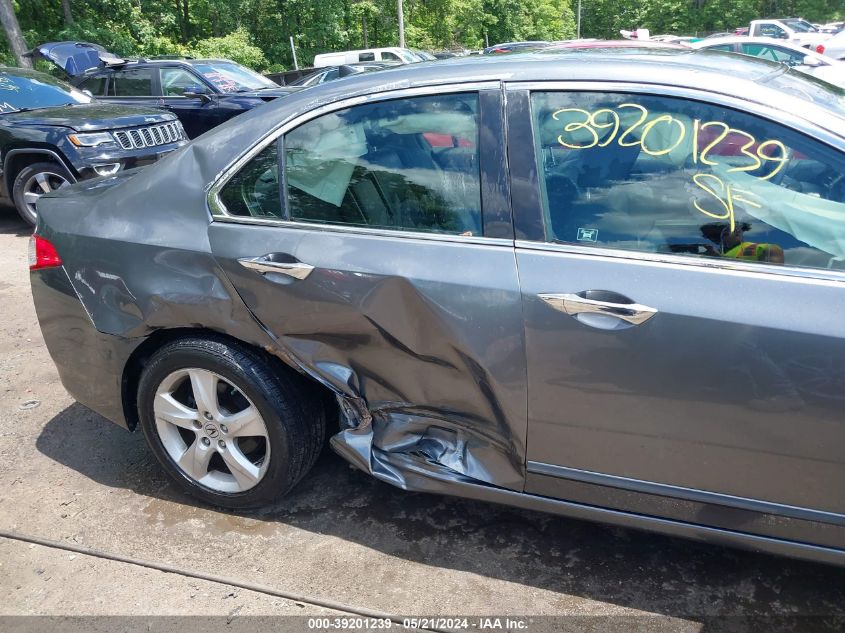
<point>140,63</point>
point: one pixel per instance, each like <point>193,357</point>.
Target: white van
<point>391,54</point>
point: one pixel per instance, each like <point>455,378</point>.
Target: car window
<point>664,175</point>
<point>254,190</point>
<point>366,57</point>
<point>721,47</point>
<point>386,165</point>
<point>175,82</point>
<point>95,85</point>
<point>773,53</point>
<point>772,30</point>
<point>132,83</point>
<point>391,57</point>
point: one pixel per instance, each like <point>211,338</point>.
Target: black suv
<point>203,93</point>
<point>52,135</point>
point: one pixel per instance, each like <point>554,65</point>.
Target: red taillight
<point>820,49</point>
<point>42,254</point>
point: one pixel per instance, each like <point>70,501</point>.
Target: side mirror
<point>202,96</point>
<point>813,62</point>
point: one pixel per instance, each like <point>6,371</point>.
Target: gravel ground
<point>73,478</point>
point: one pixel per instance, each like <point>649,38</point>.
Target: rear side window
<point>408,164</point>
<point>132,83</point>
<point>366,57</point>
<point>664,175</point>
<point>95,85</point>
<point>773,53</point>
<point>254,190</point>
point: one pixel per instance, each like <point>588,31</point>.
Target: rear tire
<point>198,438</point>
<point>32,182</point>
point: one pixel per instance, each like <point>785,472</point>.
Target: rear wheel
<point>32,182</point>
<point>231,427</point>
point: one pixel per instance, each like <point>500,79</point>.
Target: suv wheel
<point>230,427</point>
<point>32,182</point>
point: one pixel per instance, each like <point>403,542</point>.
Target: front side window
<point>390,57</point>
<point>254,190</point>
<point>366,57</point>
<point>175,82</point>
<point>666,175</point>
<point>773,30</point>
<point>408,164</point>
<point>132,83</point>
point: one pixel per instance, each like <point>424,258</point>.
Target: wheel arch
<point>140,355</point>
<point>17,159</point>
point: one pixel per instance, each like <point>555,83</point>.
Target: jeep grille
<point>150,136</point>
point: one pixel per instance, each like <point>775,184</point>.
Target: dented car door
<point>373,241</point>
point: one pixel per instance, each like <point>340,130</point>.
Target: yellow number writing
<point>643,117</point>
<point>574,126</point>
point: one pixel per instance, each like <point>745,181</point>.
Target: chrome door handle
<point>572,304</point>
<point>262,265</point>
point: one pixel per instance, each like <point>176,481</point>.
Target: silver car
<point>603,284</point>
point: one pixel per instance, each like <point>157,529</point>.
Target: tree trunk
<point>68,13</point>
<point>182,10</point>
<point>364,31</point>
<point>13,34</point>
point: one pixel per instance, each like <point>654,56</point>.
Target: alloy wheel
<point>210,429</point>
<point>39,184</point>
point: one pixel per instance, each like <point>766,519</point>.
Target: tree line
<point>256,32</point>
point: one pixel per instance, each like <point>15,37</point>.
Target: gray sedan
<point>608,286</point>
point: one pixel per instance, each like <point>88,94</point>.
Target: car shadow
<point>721,588</point>
<point>11,223</point>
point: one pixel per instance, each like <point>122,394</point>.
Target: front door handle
<point>573,304</point>
<point>276,263</point>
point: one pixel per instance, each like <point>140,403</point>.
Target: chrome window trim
<point>781,117</point>
<point>218,209</point>
<point>363,230</point>
<point>828,277</point>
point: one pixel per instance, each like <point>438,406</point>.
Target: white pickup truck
<point>795,30</point>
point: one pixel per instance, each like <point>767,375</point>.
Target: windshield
<point>29,91</point>
<point>802,26</point>
<point>232,77</point>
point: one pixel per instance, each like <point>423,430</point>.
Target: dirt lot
<point>71,477</point>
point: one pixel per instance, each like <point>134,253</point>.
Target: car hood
<point>89,116</point>
<point>74,58</point>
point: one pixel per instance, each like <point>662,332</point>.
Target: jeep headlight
<point>91,139</point>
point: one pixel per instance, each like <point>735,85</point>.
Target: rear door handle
<point>274,263</point>
<point>573,304</point>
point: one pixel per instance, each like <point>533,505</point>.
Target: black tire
<point>292,409</point>
<point>25,175</point>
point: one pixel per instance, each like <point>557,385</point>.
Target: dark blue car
<point>203,93</point>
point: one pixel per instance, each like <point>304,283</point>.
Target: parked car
<point>834,47</point>
<point>795,30</point>
<point>330,73</point>
<point>616,294</point>
<point>392,54</point>
<point>52,134</point>
<point>201,92</point>
<point>805,60</point>
<point>513,47</point>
